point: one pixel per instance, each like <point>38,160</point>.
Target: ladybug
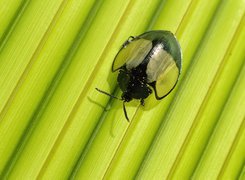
<point>149,62</point>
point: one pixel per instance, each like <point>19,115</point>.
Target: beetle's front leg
<point>130,39</point>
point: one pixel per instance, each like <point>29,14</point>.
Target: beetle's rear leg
<point>142,102</point>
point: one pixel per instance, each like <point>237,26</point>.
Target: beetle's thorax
<point>133,83</point>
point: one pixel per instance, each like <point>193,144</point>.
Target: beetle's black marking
<point>133,83</point>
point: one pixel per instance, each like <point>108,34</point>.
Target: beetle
<point>149,62</point>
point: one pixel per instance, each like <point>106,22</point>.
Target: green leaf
<point>55,125</point>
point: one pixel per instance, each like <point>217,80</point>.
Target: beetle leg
<point>130,39</point>
<point>125,111</point>
<point>142,102</point>
<point>125,44</point>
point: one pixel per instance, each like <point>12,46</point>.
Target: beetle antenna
<point>108,94</point>
<point>125,112</point>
